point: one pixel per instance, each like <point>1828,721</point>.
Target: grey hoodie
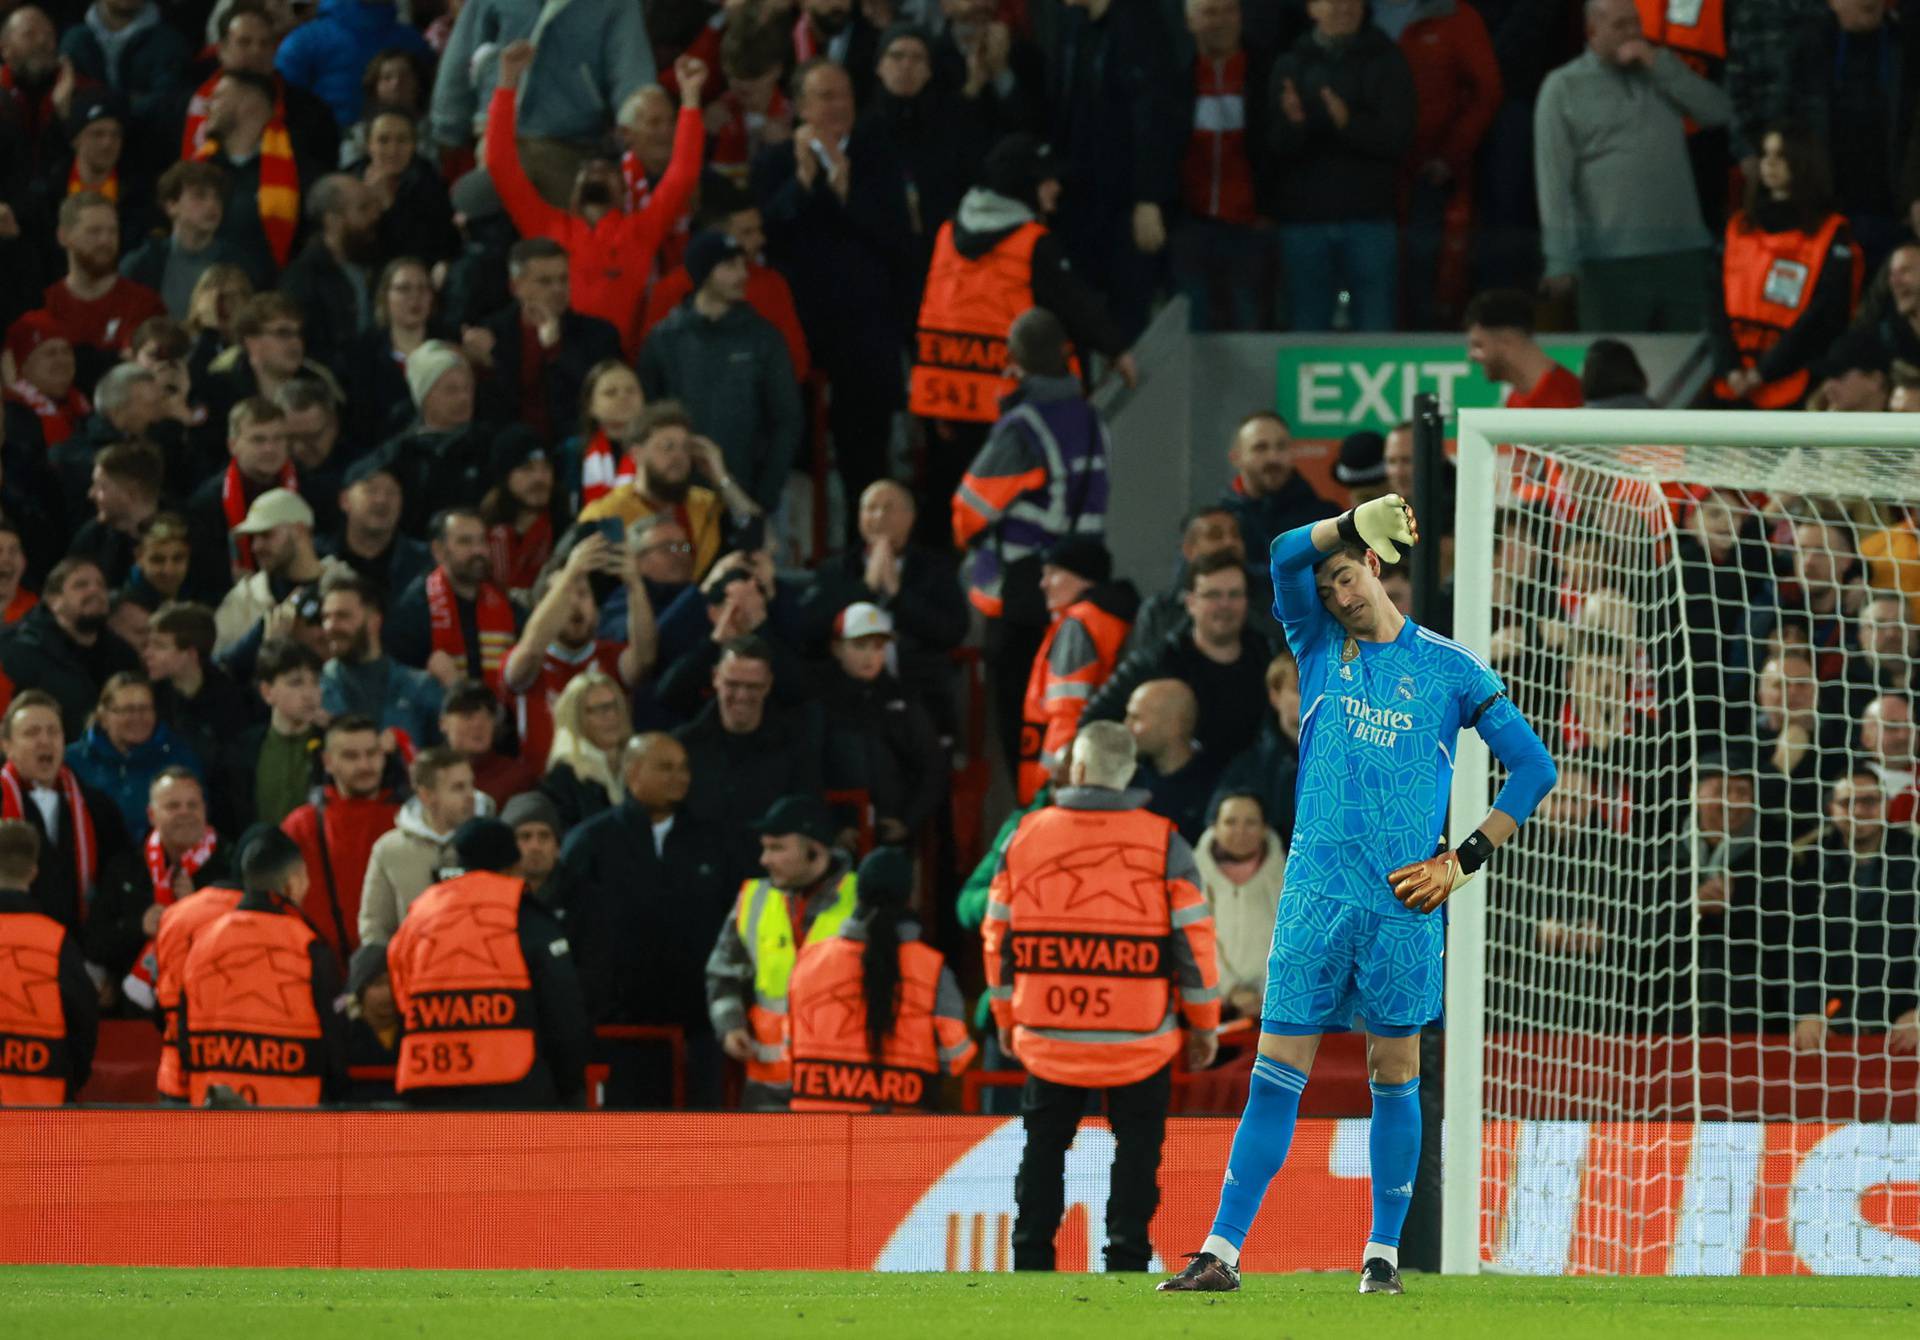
<point>404,864</point>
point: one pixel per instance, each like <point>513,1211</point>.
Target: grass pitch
<point>50,1303</point>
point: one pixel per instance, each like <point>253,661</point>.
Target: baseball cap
<point>862,619</point>
<point>275,507</point>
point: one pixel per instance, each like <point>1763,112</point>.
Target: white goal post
<point>1641,456</point>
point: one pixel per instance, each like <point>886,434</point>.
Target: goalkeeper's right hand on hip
<point>1383,524</point>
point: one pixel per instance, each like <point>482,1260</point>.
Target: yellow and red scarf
<point>279,198</point>
<point>110,188</point>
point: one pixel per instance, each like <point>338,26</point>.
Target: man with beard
<point>247,41</point>
<point>336,830</point>
<point>332,279</point>
<point>30,77</point>
<point>265,178</point>
<point>558,643</point>
<point>665,447</point>
<point>95,308</point>
<point>280,526</point>
<point>454,622</point>
<point>369,539</point>
<point>1267,497</point>
<point>534,354</point>
<point>258,460</point>
<point>359,678</point>
<point>613,249</point>
<point>64,646</point>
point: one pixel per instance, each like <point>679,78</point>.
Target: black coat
<point>1327,173</point>
<point>584,341</point>
<point>419,222</point>
<point>879,740</point>
<point>929,617</point>
<point>1233,698</point>
<point>109,930</point>
<point>380,404</point>
<point>736,778</point>
<point>436,470</point>
<point>576,800</point>
<point>850,264</point>
<point>1113,111</point>
<point>1856,932</point>
<point>329,304</point>
<point>642,922</point>
<point>38,654</point>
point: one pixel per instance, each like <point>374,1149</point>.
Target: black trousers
<point>1051,1113</point>
<point>1008,652</point>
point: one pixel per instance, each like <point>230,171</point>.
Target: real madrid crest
<point>1351,650</point>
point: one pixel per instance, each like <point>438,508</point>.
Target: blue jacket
<point>404,699</point>
<point>329,54</point>
<point>124,778</point>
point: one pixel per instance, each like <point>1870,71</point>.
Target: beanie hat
<point>708,251</point>
<point>88,106</point>
<point>530,807</point>
<point>427,365</point>
<point>29,333</point>
<point>1082,555</point>
<point>885,878</point>
<point>1363,459</point>
<point>1018,164</point>
<point>485,844</point>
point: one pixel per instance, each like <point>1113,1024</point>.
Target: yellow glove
<point>1383,525</point>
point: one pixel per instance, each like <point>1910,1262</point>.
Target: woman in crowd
<point>416,218</point>
<point>1790,275</point>
<point>591,722</point>
<point>376,362</point>
<point>1242,868</point>
<point>596,462</point>
<point>396,79</point>
<point>212,309</point>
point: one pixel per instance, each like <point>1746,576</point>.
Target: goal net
<point>1681,1005</point>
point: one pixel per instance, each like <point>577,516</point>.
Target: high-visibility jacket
<point>1693,30</point>
<point>764,921</point>
<point>172,943</point>
<point>1076,658</point>
<point>461,985</point>
<point>33,1020</point>
<point>1769,279</point>
<point>833,1068</point>
<point>960,349</point>
<point>1093,918</point>
<point>250,1021</point>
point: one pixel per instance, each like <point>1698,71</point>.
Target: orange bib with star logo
<point>250,1021</point>
<point>834,1069</point>
<point>33,1021</point>
<point>461,985</point>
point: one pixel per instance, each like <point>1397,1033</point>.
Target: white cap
<point>275,507</point>
<point>863,619</point>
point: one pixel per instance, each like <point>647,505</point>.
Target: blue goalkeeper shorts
<point>1338,965</point>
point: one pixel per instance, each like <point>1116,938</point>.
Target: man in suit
<point>534,354</point>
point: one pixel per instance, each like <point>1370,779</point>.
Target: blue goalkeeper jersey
<point>1379,725</point>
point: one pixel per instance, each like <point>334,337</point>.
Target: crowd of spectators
<point>408,413</point>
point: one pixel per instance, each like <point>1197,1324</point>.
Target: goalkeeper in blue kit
<point>1383,701</point>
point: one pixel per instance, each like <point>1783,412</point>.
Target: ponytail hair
<point>885,883</point>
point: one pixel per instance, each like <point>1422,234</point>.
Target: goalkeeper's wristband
<point>1349,531</point>
<point>1473,853</point>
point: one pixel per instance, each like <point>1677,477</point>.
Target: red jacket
<point>767,293</point>
<point>1456,83</point>
<point>612,260</point>
<point>353,826</point>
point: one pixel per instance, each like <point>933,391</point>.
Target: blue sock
<point>1259,1148</point>
<point>1393,1146</point>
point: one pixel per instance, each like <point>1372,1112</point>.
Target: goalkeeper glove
<point>1382,524</point>
<point>1424,885</point>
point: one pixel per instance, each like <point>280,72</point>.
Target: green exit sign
<point>1333,390</point>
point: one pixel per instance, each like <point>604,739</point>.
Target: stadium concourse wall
<point>1170,434</point>
<point>829,1192</point>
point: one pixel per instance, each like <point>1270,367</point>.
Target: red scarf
<point>734,143</point>
<point>602,470</point>
<point>57,418</point>
<point>86,852</point>
<point>110,188</point>
<point>191,861</point>
<point>494,615</point>
<point>233,501</point>
<point>518,558</point>
<point>279,197</point>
